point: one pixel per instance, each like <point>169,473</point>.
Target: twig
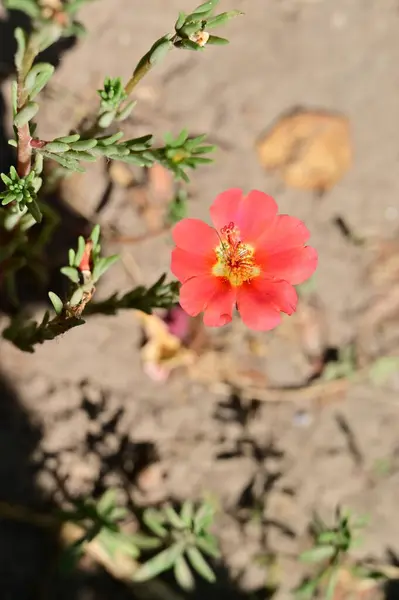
<point>24,149</point>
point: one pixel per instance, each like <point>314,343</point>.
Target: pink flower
<point>251,259</point>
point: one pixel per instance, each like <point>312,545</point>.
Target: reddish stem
<point>24,152</point>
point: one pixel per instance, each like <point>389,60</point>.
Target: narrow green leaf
<point>317,554</point>
<point>199,563</point>
<point>95,235</point>
<point>203,517</point>
<point>20,37</point>
<point>125,112</point>
<point>159,51</point>
<point>82,145</point>
<point>180,21</point>
<point>208,544</point>
<point>71,257</point>
<point>106,119</point>
<point>145,542</point>
<point>159,563</point>
<point>14,97</point>
<point>68,139</point>
<point>5,179</point>
<point>187,512</point>
<point>37,78</point>
<point>56,302</point>
<point>154,521</point>
<point>107,502</point>
<point>71,273</point>
<point>173,518</point>
<point>307,589</point>
<point>102,265</point>
<point>26,114</point>
<point>205,9</point>
<point>189,28</point>
<point>188,45</point>
<point>183,575</point>
<point>56,147</point>
<point>76,297</point>
<point>108,140</point>
<point>70,164</point>
<point>81,155</point>
<point>215,40</point>
<point>13,143</point>
<point>222,18</point>
<point>34,210</point>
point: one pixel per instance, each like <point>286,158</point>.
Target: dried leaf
<point>311,150</point>
<point>163,352</point>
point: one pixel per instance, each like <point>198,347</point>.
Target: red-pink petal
<point>185,265</point>
<point>193,235</point>
<point>294,265</point>
<point>286,232</point>
<point>219,310</point>
<point>257,214</point>
<point>261,301</point>
<point>225,208</point>
<point>196,292</point>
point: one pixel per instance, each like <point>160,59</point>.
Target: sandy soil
<point>80,414</point>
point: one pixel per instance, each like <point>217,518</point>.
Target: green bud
<point>26,114</point>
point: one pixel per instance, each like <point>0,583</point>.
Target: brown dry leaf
<point>311,150</point>
<point>163,352</point>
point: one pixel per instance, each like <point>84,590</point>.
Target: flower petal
<point>260,302</point>
<point>257,214</point>
<point>185,265</point>
<point>195,236</point>
<point>225,207</point>
<point>286,232</point>
<point>195,293</point>
<point>219,310</point>
<point>294,265</point>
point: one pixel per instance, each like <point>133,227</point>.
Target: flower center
<point>235,260</point>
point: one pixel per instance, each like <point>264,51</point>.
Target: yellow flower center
<point>235,260</point>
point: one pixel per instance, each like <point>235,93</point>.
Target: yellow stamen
<point>235,260</point>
